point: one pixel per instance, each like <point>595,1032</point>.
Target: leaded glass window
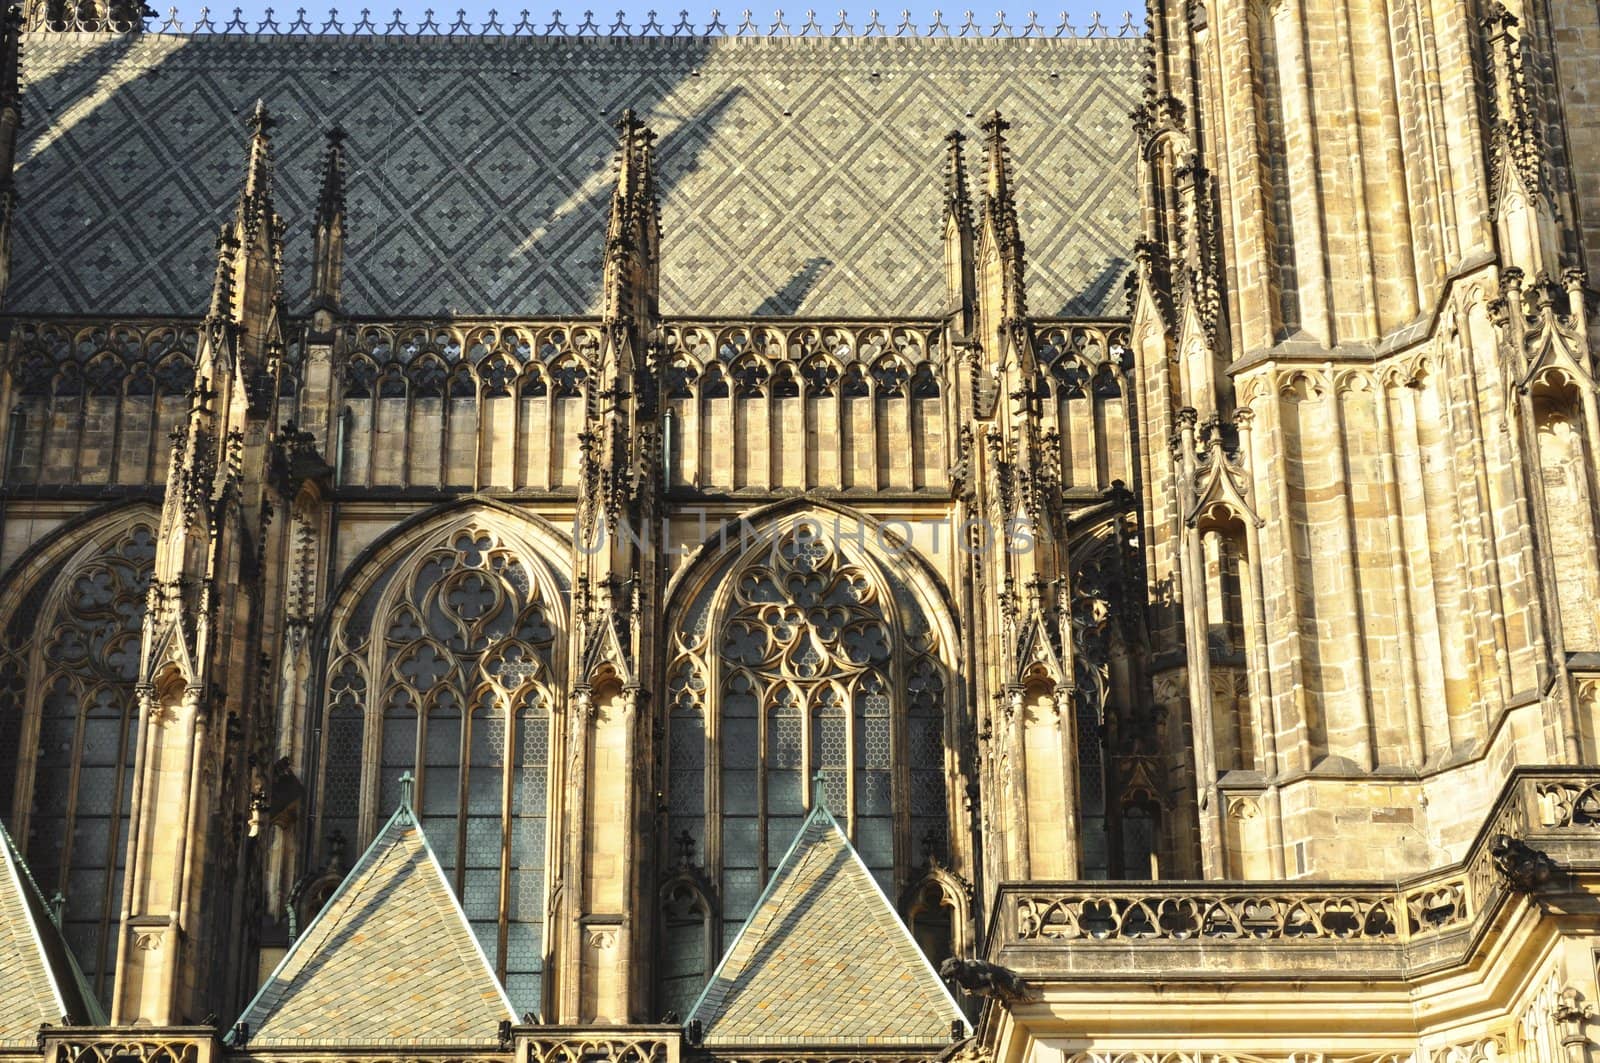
<point>69,660</point>
<point>683,927</point>
<point>449,656</point>
<point>799,656</point>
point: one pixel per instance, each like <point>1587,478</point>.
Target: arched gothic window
<point>799,655</point>
<point>686,934</point>
<point>444,665</point>
<point>930,914</point>
<point>68,663</point>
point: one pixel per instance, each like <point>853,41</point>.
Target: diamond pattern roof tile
<point>480,171</point>
<point>390,959</point>
<point>824,959</point>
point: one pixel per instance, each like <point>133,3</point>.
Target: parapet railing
<point>746,25</point>
<point>1541,804</point>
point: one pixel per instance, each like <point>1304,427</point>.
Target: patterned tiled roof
<point>390,960</point>
<point>799,176</point>
<point>824,960</point>
<point>39,981</point>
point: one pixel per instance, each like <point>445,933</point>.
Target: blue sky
<point>1079,13</point>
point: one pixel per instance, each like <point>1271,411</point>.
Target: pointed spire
<point>330,203</point>
<point>222,290</point>
<point>256,202</point>
<point>1000,217</point>
<point>957,200</point>
<point>646,175</point>
<point>250,249</point>
<point>260,124</point>
<point>327,258</point>
<point>628,128</point>
<point>960,278</point>
<point>997,182</point>
<point>633,230</point>
<point>633,197</point>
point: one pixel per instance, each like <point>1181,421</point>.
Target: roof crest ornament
<point>749,26</point>
<point>408,785</point>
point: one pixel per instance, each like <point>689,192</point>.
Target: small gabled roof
<point>824,959</point>
<point>40,982</point>
<point>390,960</point>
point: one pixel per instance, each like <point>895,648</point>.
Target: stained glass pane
<point>484,825</point>
<point>926,752</point>
<point>686,785</point>
<point>808,637</point>
<point>832,731</point>
<point>90,657</point>
<point>742,887</point>
<point>683,970</point>
<point>1092,790</point>
<point>342,790</point>
<point>399,755</point>
<point>874,826</point>
<point>524,959</point>
<point>740,747</point>
<point>1138,842</point>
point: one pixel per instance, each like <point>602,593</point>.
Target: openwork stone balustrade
<point>67,1044</point>
<point>1539,805</point>
<point>600,1044</point>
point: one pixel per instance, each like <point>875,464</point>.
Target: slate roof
<point>390,960</point>
<point>824,959</point>
<point>799,176</point>
<point>39,980</point>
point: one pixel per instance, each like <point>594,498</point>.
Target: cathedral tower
<point>1361,337</point>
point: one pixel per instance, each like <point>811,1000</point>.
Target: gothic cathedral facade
<point>801,544</point>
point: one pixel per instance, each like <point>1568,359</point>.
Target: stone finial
<point>408,785</point>
<point>328,238</point>
<point>330,201</point>
<point>957,202</point>
<point>260,121</point>
<point>819,792</point>
<point>996,177</point>
<point>999,221</point>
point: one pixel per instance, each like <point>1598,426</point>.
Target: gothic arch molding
<point>549,540</point>
<point>445,657</point>
<point>69,720</point>
<point>908,563</point>
<point>36,575</point>
<point>810,643</point>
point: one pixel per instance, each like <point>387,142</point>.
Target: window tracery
<point>1081,371</point>
<point>89,392</point>
<point>464,383</point>
<point>69,661</point>
<point>445,666</point>
<point>796,658</point>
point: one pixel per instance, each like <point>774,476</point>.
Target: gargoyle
<point>983,979</point>
<point>1525,868</point>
